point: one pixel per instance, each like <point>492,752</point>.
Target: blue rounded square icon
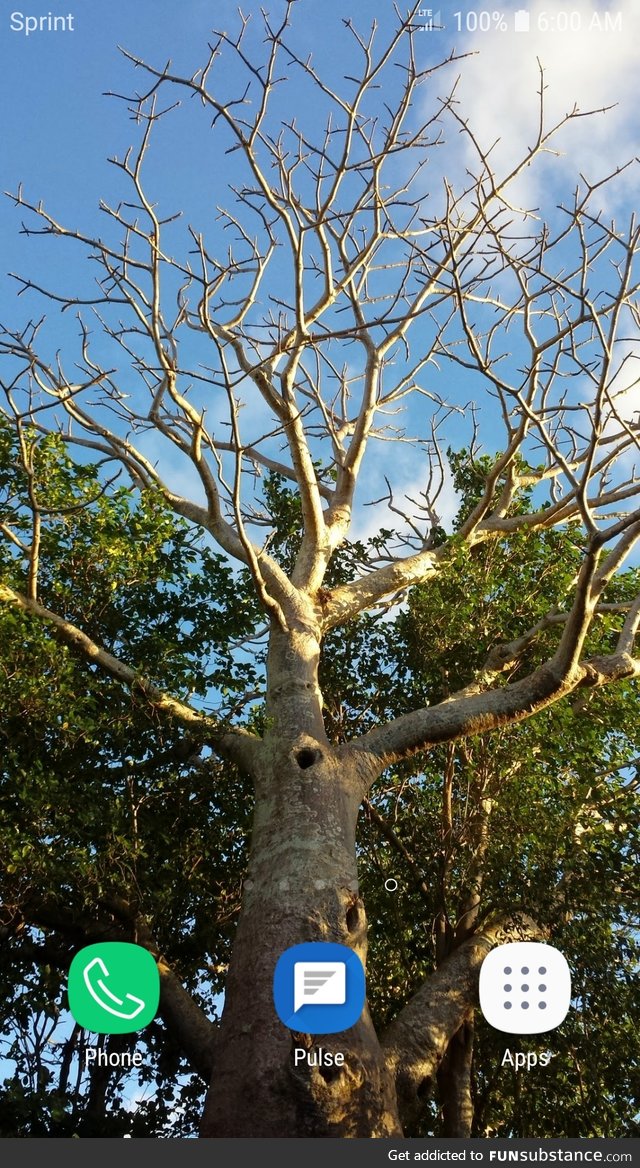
<point>319,988</point>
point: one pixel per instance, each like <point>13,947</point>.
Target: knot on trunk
<point>307,757</point>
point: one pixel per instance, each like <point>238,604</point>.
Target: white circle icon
<point>525,987</point>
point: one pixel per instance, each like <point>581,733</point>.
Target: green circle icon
<point>114,987</point>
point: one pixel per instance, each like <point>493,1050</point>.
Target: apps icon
<point>319,988</point>
<point>525,987</point>
<point>114,987</point>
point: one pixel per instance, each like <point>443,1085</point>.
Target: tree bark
<point>302,886</point>
<point>416,1041</point>
<point>454,1084</point>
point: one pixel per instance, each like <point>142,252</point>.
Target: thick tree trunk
<point>454,1084</point>
<point>302,886</point>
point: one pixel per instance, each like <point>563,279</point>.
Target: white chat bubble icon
<point>319,983</point>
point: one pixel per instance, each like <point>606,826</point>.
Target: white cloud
<point>409,481</point>
<point>586,68</point>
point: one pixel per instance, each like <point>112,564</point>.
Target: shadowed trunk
<point>454,1084</point>
<point>302,886</point>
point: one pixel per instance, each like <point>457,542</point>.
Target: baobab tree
<point>334,311</point>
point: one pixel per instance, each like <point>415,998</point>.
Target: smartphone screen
<point>320,585</point>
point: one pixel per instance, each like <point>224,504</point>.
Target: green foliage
<point>109,811</point>
<point>102,801</point>
<point>540,817</point>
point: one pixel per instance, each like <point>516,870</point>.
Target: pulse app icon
<point>525,988</point>
<point>319,988</point>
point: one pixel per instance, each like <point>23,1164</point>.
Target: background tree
<point>97,791</point>
<point>540,819</point>
<point>341,293</point>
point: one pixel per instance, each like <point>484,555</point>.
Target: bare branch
<point>237,744</point>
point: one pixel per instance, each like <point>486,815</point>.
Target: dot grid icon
<point>525,987</point>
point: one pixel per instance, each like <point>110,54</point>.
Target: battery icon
<point>522,20</point>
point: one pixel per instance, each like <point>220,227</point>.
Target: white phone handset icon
<point>104,992</point>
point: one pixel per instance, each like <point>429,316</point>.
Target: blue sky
<point>61,127</point>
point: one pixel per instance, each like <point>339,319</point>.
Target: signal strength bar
<point>430,21</point>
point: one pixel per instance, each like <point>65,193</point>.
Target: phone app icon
<point>114,987</point>
<point>525,987</point>
<point>319,988</point>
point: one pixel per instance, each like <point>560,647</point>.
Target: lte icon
<point>319,988</point>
